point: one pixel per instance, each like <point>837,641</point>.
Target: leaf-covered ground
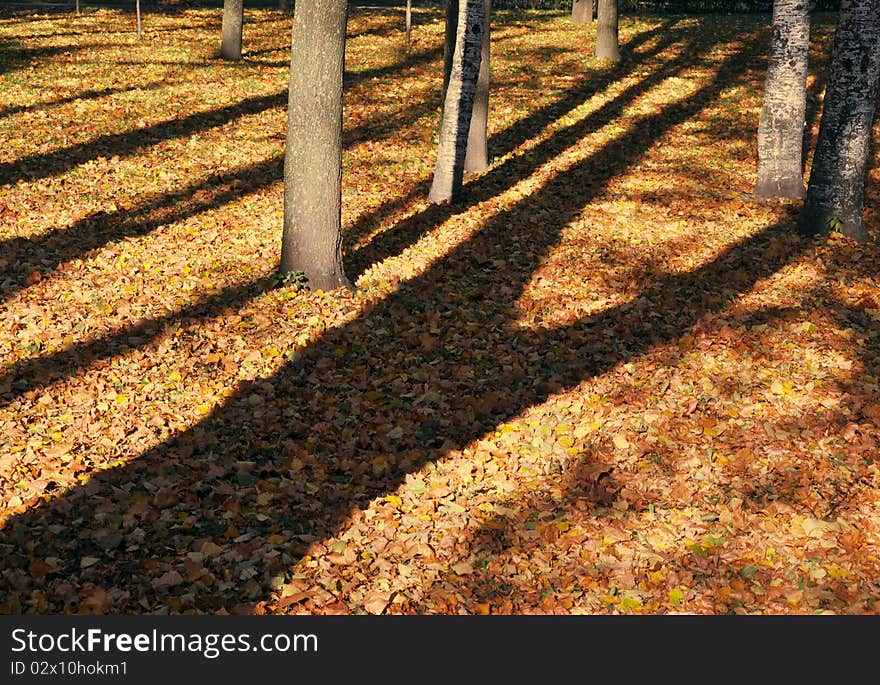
<point>608,381</point>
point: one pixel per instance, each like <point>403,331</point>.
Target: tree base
<point>816,221</point>
<point>608,54</point>
<point>783,189</point>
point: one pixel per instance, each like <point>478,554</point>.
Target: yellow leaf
<point>620,442</point>
<point>837,572</point>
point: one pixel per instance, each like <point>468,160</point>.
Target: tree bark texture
<point>458,104</point>
<point>836,191</point>
<point>312,238</point>
<point>582,11</point>
<point>450,30</point>
<point>477,155</point>
<point>607,46</point>
<point>781,129</point>
<point>233,20</point>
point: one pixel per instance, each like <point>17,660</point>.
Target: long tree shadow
<point>26,376</point>
<point>23,377</point>
<point>836,480</point>
<point>95,94</point>
<point>506,141</point>
<point>47,252</point>
<point>49,164</point>
<point>515,169</point>
<point>129,143</point>
<point>209,518</point>
<point>13,57</point>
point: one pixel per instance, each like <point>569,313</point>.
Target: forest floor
<point>606,381</point>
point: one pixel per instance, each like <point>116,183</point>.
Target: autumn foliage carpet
<point>607,381</point>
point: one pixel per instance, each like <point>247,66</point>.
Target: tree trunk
<point>606,33</point>
<point>582,11</point>
<point>781,129</point>
<point>458,105</point>
<point>449,33</point>
<point>312,238</point>
<point>137,9</point>
<point>836,191</point>
<point>477,156</point>
<point>233,19</point>
<point>408,20</point>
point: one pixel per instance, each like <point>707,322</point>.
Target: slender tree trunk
<point>459,102</point>
<point>781,129</point>
<point>836,191</point>
<point>477,156</point>
<point>137,7</point>
<point>77,6</point>
<point>449,34</point>
<point>233,20</point>
<point>477,153</point>
<point>312,238</point>
<point>582,11</point>
<point>607,46</point>
<point>408,20</point>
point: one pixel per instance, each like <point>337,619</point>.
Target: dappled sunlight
<point>607,381</point>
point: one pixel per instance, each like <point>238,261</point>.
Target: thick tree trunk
<point>781,130</point>
<point>477,156</point>
<point>836,191</point>
<point>459,102</point>
<point>582,11</point>
<point>607,46</point>
<point>233,19</point>
<point>312,239</point>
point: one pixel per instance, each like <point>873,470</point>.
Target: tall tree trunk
<point>137,9</point>
<point>312,238</point>
<point>606,33</point>
<point>836,191</point>
<point>233,19</point>
<point>458,105</point>
<point>477,156</point>
<point>408,20</point>
<point>582,11</point>
<point>781,129</point>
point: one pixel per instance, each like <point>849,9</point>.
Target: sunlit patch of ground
<point>608,381</point>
